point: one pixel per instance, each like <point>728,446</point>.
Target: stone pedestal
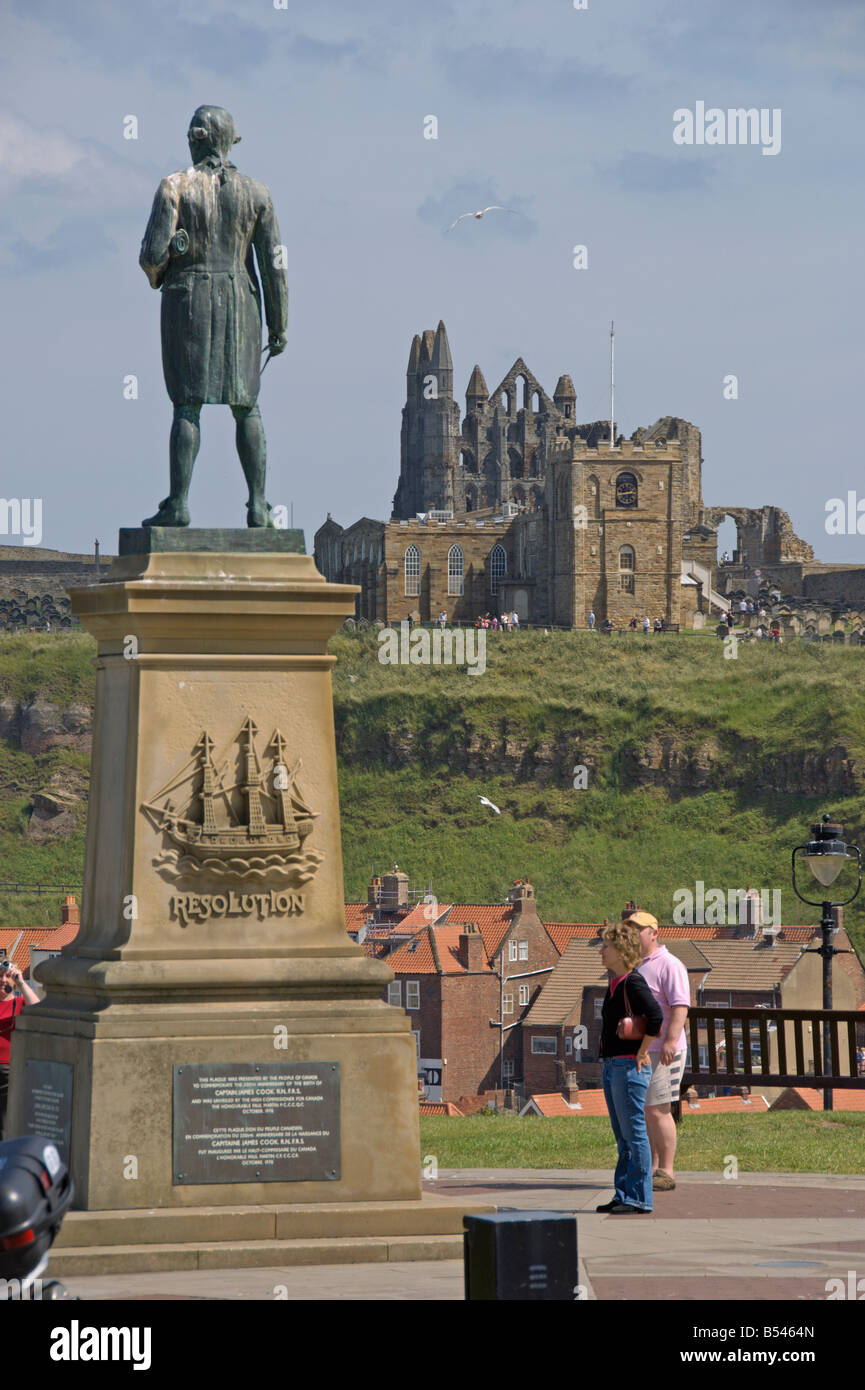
<point>196,951</point>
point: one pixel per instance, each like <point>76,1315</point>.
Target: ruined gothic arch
<point>516,463</point>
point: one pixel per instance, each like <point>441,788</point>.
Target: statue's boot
<point>258,513</point>
<point>171,513</point>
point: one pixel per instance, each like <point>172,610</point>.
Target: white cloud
<point>52,161</point>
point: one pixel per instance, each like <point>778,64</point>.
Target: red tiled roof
<point>594,1103</point>
<point>493,921</point>
<point>842,1098</point>
<point>723,1105</point>
<point>727,933</point>
<point>416,957</point>
<point>40,938</point>
<point>553,1103</point>
<point>433,1107</point>
<point>432,951</point>
<point>560,933</point>
<point>422,915</point>
<point>355,915</point>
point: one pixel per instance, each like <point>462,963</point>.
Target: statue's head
<point>211,131</point>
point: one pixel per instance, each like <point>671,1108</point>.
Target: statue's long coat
<point>211,301</point>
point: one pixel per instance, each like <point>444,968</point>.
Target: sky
<point>714,260</point>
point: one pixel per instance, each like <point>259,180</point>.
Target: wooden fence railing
<point>777,1047</point>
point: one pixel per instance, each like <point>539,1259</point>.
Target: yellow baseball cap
<point>643,919</point>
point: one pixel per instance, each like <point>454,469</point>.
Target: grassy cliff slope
<point>698,767</point>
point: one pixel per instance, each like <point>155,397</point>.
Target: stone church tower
<point>500,453</point>
<point>430,437</point>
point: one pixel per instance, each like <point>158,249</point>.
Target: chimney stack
<point>69,911</point>
<point>471,947</point>
<point>394,890</point>
<point>571,1090</point>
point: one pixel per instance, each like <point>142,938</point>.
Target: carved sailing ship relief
<point>250,828</point>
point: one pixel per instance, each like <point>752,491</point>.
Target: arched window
<point>626,569</point>
<point>536,401</point>
<point>515,461</point>
<point>467,461</point>
<point>456,570</point>
<point>506,402</point>
<point>533,465</point>
<point>498,567</point>
<point>412,572</point>
<point>522,390</point>
<point>471,499</point>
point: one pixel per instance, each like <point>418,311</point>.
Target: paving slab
<point>763,1236</point>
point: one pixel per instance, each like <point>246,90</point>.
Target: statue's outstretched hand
<point>276,344</point>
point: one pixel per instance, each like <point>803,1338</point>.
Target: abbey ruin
<point>518,506</point>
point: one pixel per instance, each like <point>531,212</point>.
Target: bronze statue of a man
<point>198,251</point>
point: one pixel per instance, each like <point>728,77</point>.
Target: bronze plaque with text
<point>48,1102</point>
<point>256,1122</point>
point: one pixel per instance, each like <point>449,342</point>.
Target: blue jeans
<point>625,1091</point>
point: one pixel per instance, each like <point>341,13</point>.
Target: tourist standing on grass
<point>627,1068</point>
<point>667,978</point>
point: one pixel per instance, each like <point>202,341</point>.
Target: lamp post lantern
<point>826,853</point>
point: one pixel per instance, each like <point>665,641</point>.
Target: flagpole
<point>612,388</point>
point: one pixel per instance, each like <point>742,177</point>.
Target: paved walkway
<point>765,1236</point>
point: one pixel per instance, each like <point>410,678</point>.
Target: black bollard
<point>521,1255</point>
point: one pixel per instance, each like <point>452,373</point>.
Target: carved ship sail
<point>205,837</point>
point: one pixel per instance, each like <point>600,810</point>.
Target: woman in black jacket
<point>627,1069</point>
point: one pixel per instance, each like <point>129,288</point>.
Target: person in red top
<point>11,980</point>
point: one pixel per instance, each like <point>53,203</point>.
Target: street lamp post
<point>826,854</point>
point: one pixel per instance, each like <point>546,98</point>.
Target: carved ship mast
<point>206,837</point>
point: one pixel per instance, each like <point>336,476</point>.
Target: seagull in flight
<point>494,207</point>
<point>485,801</point>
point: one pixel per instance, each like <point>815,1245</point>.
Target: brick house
<point>467,981</point>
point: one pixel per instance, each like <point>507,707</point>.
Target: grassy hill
<point>699,768</point>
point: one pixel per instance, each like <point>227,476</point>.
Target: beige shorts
<point>666,1081</point>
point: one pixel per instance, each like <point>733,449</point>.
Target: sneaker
<point>662,1181</point>
<point>625,1209</point>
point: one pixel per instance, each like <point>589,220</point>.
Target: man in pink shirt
<point>667,978</point>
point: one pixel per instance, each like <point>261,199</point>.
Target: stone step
<point>246,1254</point>
<point>195,1226</point>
